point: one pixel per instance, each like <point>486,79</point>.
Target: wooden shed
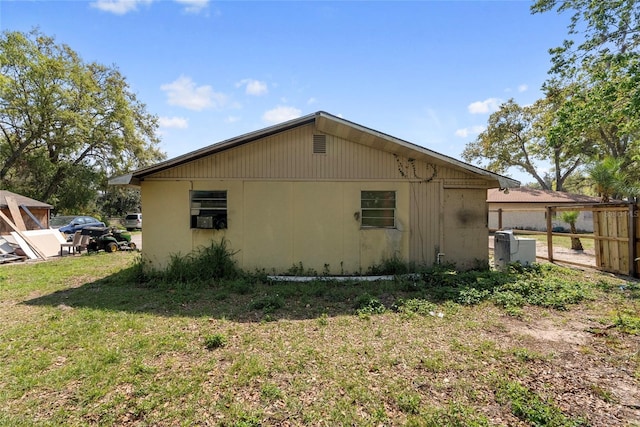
<point>319,192</point>
<point>31,211</point>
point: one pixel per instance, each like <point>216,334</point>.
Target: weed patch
<point>391,266</point>
<point>531,408</point>
<point>409,403</point>
<point>415,306</point>
<point>452,415</point>
<point>207,264</point>
<point>214,341</point>
<point>367,304</point>
<point>628,322</point>
<point>267,303</point>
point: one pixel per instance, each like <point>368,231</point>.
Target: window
<point>209,209</point>
<point>378,209</point>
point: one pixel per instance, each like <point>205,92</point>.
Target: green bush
<point>267,303</point>
<point>393,266</point>
<point>367,304</point>
<point>215,341</point>
<point>213,262</point>
<point>409,403</point>
<point>415,306</point>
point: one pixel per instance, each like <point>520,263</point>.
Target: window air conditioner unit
<point>204,222</point>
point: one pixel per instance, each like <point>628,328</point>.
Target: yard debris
<point>30,244</point>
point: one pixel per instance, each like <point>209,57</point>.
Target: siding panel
<point>289,156</point>
<point>425,222</point>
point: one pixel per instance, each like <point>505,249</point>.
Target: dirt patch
<point>580,363</point>
<point>545,330</point>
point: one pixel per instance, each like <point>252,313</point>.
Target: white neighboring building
<point>525,208</point>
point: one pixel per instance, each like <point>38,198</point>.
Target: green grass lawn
<point>560,241</point>
<point>87,340</point>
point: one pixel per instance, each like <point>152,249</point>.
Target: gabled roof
<point>531,195</point>
<point>21,200</point>
<point>329,124</point>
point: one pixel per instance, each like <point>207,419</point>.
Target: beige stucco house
<point>321,191</point>
<point>525,209</point>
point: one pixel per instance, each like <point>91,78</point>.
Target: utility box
<point>508,248</point>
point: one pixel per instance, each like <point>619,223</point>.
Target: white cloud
<point>173,122</point>
<point>253,87</point>
<point>183,92</point>
<point>487,106</point>
<point>281,114</point>
<point>119,7</point>
<point>473,130</point>
<point>232,119</point>
<point>194,6</point>
<point>523,88</point>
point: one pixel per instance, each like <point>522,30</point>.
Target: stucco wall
<point>465,228</point>
<point>288,204</point>
<point>274,225</point>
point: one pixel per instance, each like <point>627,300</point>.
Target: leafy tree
<point>117,201</point>
<point>601,74</point>
<point>579,183</point>
<point>609,179</point>
<point>65,125</point>
<point>606,29</point>
<point>516,136</point>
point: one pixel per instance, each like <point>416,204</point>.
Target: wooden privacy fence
<point>616,235</point>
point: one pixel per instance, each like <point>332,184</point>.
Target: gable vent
<point>319,144</point>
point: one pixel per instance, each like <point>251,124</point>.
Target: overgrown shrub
<point>267,303</point>
<point>393,266</point>
<point>368,304</point>
<point>418,306</point>
<point>203,265</point>
<point>215,341</point>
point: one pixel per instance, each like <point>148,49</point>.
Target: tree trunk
<point>576,244</point>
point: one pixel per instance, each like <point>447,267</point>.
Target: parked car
<point>71,224</point>
<point>133,221</point>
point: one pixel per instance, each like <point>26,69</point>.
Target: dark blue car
<point>71,224</point>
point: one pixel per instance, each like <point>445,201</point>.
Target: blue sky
<point>429,72</point>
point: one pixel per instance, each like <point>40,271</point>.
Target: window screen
<point>378,209</point>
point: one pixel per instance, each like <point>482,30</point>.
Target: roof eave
<point>221,146</point>
<point>503,181</point>
<point>126,179</point>
<point>134,178</point>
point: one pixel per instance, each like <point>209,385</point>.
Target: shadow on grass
<point>250,299</point>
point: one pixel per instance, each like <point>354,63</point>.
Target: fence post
<point>633,253</point>
<point>550,233</point>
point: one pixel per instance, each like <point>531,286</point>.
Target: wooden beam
<point>25,238</point>
<point>32,216</point>
<point>550,233</point>
<point>15,213</point>
<point>632,240</point>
